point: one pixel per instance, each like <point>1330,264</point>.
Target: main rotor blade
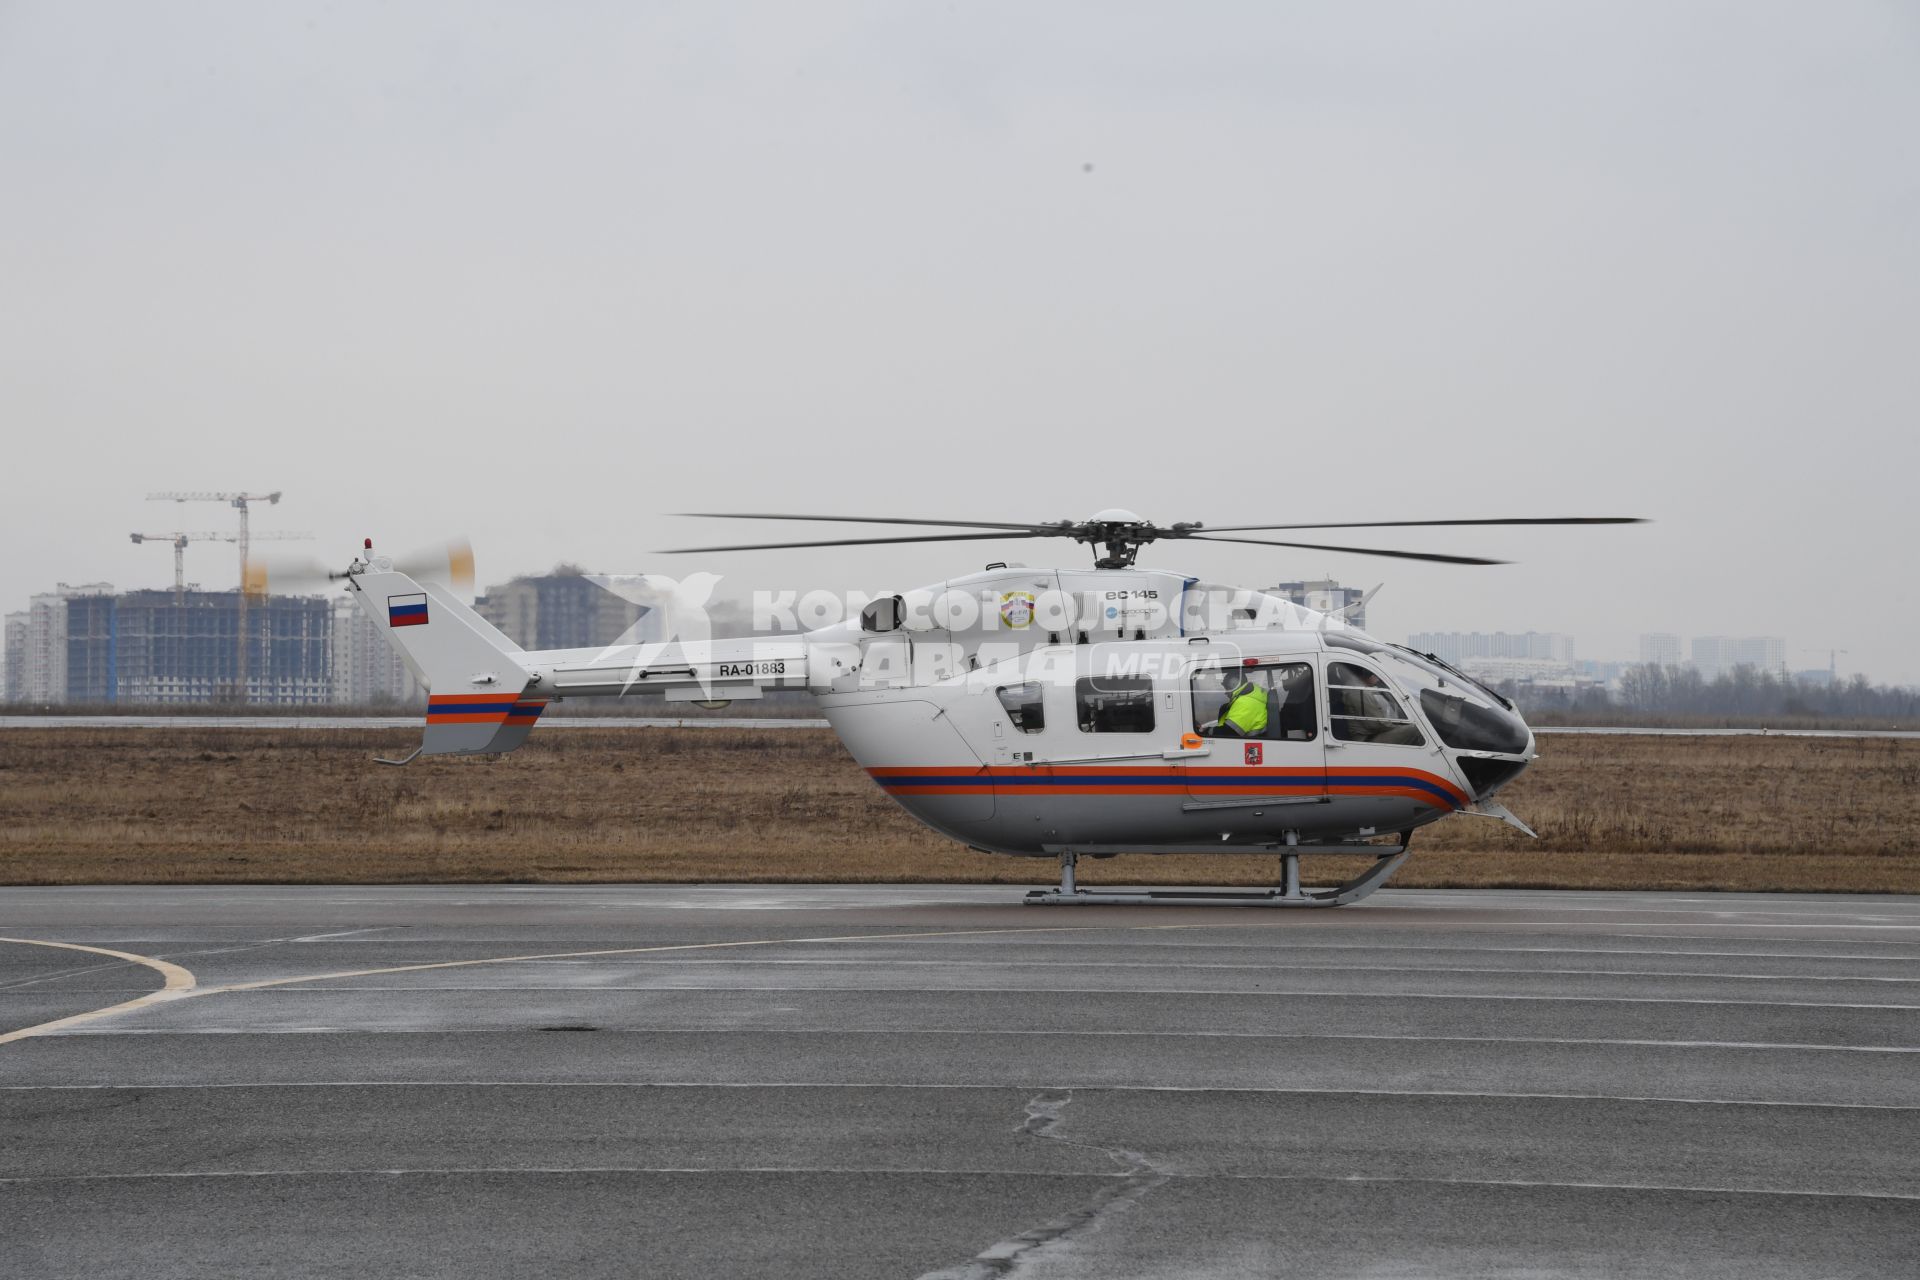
<point>1413,524</point>
<point>1358,551</point>
<point>954,524</point>
<point>868,542</point>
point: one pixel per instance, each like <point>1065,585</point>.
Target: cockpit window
<point>1364,710</point>
<point>1114,704</point>
<point>1025,705</point>
<point>1274,702</point>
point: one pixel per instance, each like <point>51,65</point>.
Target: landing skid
<point>1287,894</point>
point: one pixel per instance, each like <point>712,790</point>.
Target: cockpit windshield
<point>1417,658</point>
<point>1468,725</point>
<point>1465,714</point>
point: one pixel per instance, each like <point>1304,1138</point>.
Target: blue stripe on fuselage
<point>1160,780</point>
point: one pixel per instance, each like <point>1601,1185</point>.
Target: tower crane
<point>1833,664</point>
<point>240,502</point>
<point>179,542</point>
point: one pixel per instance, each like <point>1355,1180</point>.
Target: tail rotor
<point>449,565</point>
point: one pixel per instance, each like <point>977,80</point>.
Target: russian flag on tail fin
<point>407,611</point>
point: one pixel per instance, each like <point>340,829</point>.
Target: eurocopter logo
<point>1016,610</point>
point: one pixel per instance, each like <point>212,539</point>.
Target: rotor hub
<point>1122,533</point>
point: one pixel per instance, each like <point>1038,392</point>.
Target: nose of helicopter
<point>1482,732</point>
<point>1491,745</point>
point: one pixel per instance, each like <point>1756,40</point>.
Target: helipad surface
<point>907,1080</point>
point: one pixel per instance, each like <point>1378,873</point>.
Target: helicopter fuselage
<point>1085,713</point>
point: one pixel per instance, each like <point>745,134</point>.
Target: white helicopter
<point>1057,713</point>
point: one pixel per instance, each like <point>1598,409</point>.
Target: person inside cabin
<point>1365,711</point>
<point>1245,715</point>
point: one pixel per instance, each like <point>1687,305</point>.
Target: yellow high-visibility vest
<point>1248,710</point>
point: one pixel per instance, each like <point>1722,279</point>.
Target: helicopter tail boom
<point>485,693</point>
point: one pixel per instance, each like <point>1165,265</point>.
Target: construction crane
<point>179,541</point>
<point>1833,664</point>
<point>240,502</point>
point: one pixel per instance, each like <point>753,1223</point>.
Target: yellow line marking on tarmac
<point>179,982</point>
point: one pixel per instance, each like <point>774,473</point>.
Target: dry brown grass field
<point>183,805</point>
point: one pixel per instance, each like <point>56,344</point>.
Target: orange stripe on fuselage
<point>1149,780</point>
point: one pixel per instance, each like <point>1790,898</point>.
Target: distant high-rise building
<point>15,689</point>
<point>1714,656</point>
<point>43,677</point>
<point>1764,653</point>
<point>151,647</point>
<point>367,669</point>
<point>90,664</point>
<point>1660,649</point>
<point>564,609</point>
<point>1325,596</point>
<point>87,645</point>
<point>1531,657</point>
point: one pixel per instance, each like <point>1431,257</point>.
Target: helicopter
<point>1057,713</point>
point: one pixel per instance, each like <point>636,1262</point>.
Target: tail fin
<point>477,699</point>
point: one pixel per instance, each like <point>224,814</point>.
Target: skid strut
<point>1287,894</point>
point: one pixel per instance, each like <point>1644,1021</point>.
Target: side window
<point>1363,709</point>
<point>1025,705</point>
<point>1265,702</point>
<point>1114,704</point>
<point>1295,717</point>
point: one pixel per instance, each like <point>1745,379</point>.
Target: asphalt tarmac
<point>905,1081</point>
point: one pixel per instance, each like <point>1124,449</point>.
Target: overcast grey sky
<point>545,273</point>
